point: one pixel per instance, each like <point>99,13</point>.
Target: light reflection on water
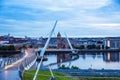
<point>91,60</point>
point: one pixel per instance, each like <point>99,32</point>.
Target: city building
<point>113,42</point>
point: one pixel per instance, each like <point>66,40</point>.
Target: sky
<point>76,18</point>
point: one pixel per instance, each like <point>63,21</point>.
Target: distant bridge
<point>57,51</point>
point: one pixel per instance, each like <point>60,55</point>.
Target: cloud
<point>21,28</point>
<point>42,28</point>
<point>83,17</point>
<point>105,26</point>
<point>58,9</point>
<point>56,5</point>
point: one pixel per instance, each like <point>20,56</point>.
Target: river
<point>88,60</point>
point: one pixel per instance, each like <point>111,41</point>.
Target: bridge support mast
<point>43,50</point>
<point>69,44</point>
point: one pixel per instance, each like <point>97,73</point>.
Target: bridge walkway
<point>14,71</point>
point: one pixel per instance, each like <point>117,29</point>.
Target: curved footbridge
<point>58,51</point>
<point>14,71</point>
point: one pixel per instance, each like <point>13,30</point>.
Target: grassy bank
<point>45,75</point>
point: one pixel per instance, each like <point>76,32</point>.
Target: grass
<point>45,75</point>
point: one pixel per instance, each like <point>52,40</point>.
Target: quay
<point>9,52</point>
<point>66,51</point>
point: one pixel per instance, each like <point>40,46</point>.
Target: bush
<point>74,67</point>
<point>64,67</point>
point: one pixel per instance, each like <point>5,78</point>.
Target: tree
<point>82,47</point>
<point>24,47</point>
<point>97,47</point>
<point>91,46</point>
<point>11,47</point>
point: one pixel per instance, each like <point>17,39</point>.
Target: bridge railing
<point>9,60</point>
<point>28,62</point>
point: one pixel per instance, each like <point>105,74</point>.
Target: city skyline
<point>34,18</point>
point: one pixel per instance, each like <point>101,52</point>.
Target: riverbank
<point>45,75</point>
<point>7,53</point>
<point>66,51</point>
<point>90,72</point>
<point>99,50</point>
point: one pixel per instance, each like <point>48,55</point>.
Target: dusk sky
<point>81,18</point>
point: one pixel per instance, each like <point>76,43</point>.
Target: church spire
<point>58,34</point>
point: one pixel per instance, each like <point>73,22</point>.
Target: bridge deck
<point>13,71</point>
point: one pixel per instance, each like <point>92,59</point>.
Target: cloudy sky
<point>81,18</point>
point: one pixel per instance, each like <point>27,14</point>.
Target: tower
<point>59,36</point>
<point>59,40</point>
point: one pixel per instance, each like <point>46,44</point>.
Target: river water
<point>94,60</point>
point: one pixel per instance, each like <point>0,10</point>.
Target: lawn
<point>45,75</point>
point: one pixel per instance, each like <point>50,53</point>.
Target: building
<point>61,43</point>
<point>113,42</point>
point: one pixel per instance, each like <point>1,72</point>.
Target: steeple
<point>58,34</point>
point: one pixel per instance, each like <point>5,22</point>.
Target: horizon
<point>62,36</point>
<point>86,18</point>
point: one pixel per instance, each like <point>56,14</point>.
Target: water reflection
<point>63,58</point>
<point>111,57</point>
<point>109,60</point>
<point>4,61</point>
